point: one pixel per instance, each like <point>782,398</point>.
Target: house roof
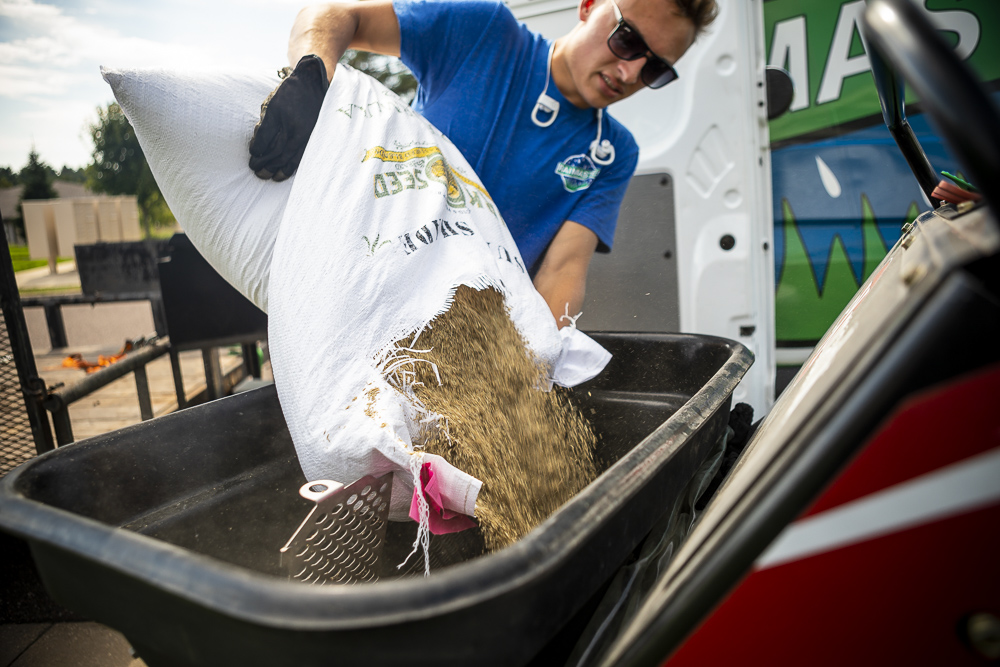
<point>9,197</point>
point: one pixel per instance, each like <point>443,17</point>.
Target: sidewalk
<point>66,278</point>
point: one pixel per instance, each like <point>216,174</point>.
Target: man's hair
<point>701,13</point>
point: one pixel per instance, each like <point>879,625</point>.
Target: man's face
<point>591,74</point>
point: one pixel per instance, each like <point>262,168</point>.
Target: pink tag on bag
<point>441,520</point>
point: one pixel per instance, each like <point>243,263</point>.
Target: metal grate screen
<point>16,442</point>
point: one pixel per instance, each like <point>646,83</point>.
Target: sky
<point>51,52</point>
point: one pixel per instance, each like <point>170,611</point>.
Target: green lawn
<point>19,256</point>
<point>164,232</point>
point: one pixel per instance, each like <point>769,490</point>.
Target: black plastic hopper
<point>169,530</point>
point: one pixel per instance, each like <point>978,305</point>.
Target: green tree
<point>8,177</point>
<point>36,178</point>
<point>72,175</point>
<point>389,71</point>
<point>120,168</point>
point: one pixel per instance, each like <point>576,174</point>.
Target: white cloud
<point>49,63</point>
<point>68,42</point>
<point>20,82</point>
<point>26,9</point>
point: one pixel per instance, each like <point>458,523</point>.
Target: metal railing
<point>52,305</point>
<point>58,402</point>
<point>24,426</point>
<point>26,402</point>
<point>218,384</point>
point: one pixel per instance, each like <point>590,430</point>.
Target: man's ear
<point>586,9</point>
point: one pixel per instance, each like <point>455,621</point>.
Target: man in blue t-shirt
<point>526,113</point>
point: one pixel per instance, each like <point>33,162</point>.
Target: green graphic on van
<point>835,118</point>
<point>804,308</point>
<point>819,43</point>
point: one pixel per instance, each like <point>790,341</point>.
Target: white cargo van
<point>755,230</point>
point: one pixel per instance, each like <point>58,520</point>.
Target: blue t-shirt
<point>480,74</point>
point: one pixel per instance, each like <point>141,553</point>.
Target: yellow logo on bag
<point>436,168</point>
<point>386,155</point>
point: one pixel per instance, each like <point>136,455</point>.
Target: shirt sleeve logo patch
<point>577,172</point>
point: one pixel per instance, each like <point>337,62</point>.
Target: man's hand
<point>287,118</point>
<point>324,31</point>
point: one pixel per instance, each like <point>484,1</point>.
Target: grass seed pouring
<point>531,448</point>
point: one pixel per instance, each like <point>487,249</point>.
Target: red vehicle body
<point>906,559</point>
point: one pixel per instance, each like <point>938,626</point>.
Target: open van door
<point>693,249</point>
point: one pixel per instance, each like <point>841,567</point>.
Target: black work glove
<point>287,118</point>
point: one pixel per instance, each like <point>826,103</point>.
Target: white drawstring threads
<point>570,318</point>
<point>424,511</point>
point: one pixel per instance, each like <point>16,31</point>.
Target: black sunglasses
<point>625,43</point>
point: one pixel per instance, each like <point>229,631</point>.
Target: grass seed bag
<point>353,259</point>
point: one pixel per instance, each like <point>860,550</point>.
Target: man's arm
<point>320,35</point>
<point>328,30</point>
<point>562,277</point>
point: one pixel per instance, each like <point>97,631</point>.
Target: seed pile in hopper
<point>531,448</point>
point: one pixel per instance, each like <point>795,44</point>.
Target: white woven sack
<point>194,128</point>
<point>385,220</point>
